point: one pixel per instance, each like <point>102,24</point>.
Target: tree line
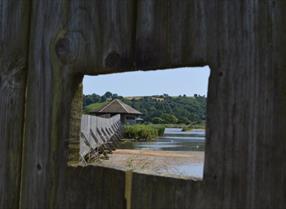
<point>159,109</point>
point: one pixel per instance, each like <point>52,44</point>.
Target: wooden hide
<point>47,46</point>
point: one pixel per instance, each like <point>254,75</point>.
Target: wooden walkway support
<point>98,135</point>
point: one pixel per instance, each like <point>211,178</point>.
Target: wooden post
<point>14,44</point>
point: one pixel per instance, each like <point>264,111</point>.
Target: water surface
<point>174,139</point>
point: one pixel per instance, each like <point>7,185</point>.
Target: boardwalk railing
<point>98,136</point>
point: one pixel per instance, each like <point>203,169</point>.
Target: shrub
<point>142,132</point>
<point>189,127</point>
<point>157,120</point>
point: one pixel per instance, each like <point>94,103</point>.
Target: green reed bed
<point>142,132</point>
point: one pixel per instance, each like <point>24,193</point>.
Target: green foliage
<point>161,130</point>
<point>90,99</point>
<point>189,127</point>
<point>161,109</point>
<point>94,106</point>
<point>165,109</point>
<point>157,120</point>
<point>142,132</point>
<point>169,118</point>
<point>108,94</point>
<point>95,98</point>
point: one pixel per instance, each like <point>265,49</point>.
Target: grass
<point>142,132</point>
<point>94,106</point>
<point>184,127</point>
<point>194,126</point>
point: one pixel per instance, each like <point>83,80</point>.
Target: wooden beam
<point>14,42</point>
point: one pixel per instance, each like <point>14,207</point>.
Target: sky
<point>175,82</point>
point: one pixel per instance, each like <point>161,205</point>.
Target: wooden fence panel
<point>242,41</point>
<point>97,132</point>
<point>68,39</point>
<point>14,29</point>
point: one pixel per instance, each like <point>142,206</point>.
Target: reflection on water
<point>174,139</point>
<point>194,170</point>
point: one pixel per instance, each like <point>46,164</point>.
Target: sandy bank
<point>166,163</point>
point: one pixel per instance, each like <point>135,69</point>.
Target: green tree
<point>157,120</point>
<point>169,118</point>
<point>162,108</point>
<point>108,94</point>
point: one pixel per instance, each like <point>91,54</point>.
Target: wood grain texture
<point>44,147</point>
<point>242,41</point>
<point>242,164</point>
<point>75,119</point>
<point>165,193</point>
<point>91,187</point>
<point>170,34</point>
<point>14,27</point>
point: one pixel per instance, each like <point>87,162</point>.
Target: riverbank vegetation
<point>189,127</point>
<point>142,132</point>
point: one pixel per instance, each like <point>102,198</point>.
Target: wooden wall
<point>14,41</point>
<point>47,46</point>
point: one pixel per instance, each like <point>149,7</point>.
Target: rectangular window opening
<point>150,122</point>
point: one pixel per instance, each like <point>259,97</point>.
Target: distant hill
<point>94,106</point>
<point>158,108</point>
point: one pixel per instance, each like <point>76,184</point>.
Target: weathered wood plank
<point>242,41</point>
<point>14,27</point>
<point>45,149</point>
<point>165,193</point>
<point>171,34</point>
<point>99,188</point>
<point>241,134</point>
<point>53,79</point>
<point>100,35</point>
<point>130,35</point>
<point>94,138</point>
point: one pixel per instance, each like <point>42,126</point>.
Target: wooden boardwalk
<point>98,136</point>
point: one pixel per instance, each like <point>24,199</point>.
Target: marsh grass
<point>142,132</point>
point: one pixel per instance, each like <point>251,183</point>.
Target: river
<point>174,139</point>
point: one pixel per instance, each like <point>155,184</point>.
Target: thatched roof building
<point>128,114</point>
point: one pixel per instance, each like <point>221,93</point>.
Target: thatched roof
<point>117,106</point>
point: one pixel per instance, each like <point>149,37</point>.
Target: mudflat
<point>166,163</point>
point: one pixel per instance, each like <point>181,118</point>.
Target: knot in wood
<point>39,167</point>
<point>70,47</point>
<point>113,59</point>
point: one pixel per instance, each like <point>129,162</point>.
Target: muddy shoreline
<point>164,163</point>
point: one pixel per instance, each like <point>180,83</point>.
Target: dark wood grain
<point>165,193</point>
<point>54,43</point>
<point>100,188</point>
<point>14,28</point>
